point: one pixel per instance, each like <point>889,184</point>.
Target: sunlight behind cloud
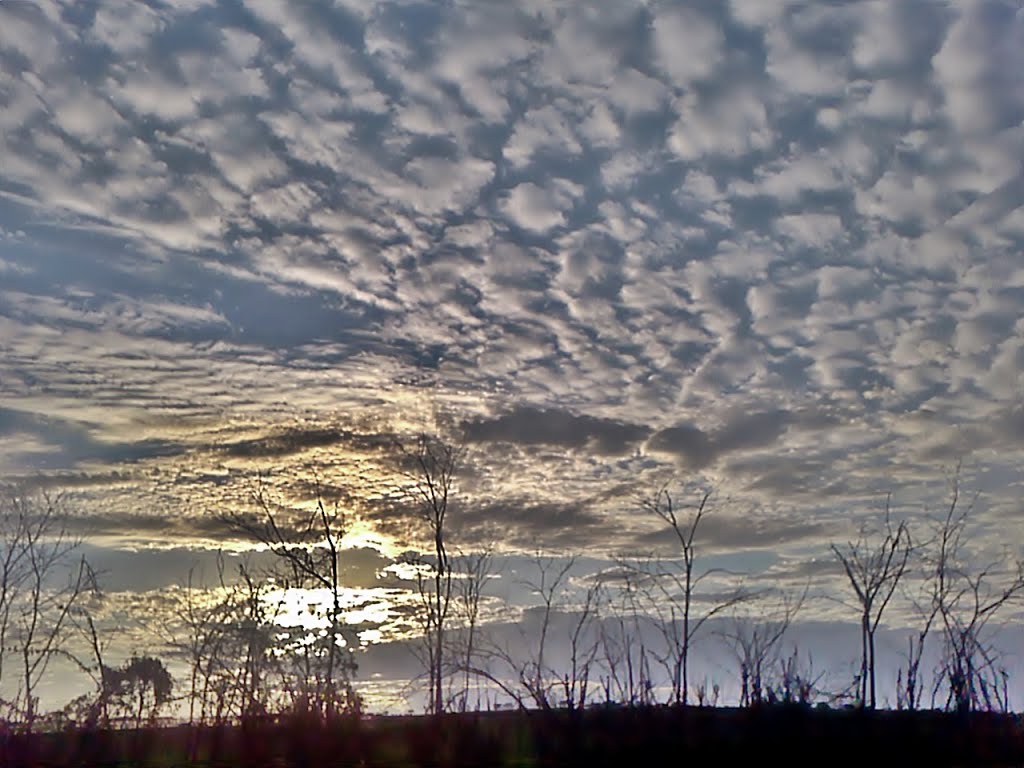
<point>373,614</point>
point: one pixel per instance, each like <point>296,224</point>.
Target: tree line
<point>622,637</point>
<point>608,654</point>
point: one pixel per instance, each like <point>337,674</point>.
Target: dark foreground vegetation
<point>616,736</point>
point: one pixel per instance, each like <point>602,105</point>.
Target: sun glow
<point>373,614</point>
<point>360,534</point>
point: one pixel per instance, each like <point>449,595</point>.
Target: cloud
<point>544,129</point>
<point>695,448</point>
<point>978,65</point>
<point>285,443</point>
<point>291,440</point>
<point>732,123</point>
<point>35,441</point>
<point>690,444</point>
<point>726,533</point>
<point>536,426</point>
<point>773,244</point>
<point>521,523</point>
<point>688,44</point>
<point>536,208</point>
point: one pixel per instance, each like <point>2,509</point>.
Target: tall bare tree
<point>584,646</point>
<point>966,598</point>
<point>307,547</point>
<point>40,585</point>
<point>670,586</point>
<point>431,465</point>
<point>474,571</point>
<point>547,586</point>
<point>625,654</point>
<point>874,565</point>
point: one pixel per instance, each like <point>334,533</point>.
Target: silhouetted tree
<point>908,677</point>
<point>528,668</point>
<point>551,578</point>
<point>584,646</point>
<point>625,657</point>
<point>430,465</point>
<point>307,551</point>
<point>796,682</point>
<point>966,598</point>
<point>247,686</point>
<point>36,603</point>
<point>755,638</point>
<point>92,708</point>
<point>138,689</point>
<point>874,570</point>
<point>202,643</point>
<point>536,672</point>
<point>219,638</point>
<point>473,572</point>
<point>670,587</point>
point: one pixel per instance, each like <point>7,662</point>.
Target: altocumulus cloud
<point>776,244</point>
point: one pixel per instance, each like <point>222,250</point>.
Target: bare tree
<point>97,710</point>
<point>209,622</point>
<point>247,676</point>
<point>40,585</point>
<point>908,678</point>
<point>756,637</point>
<point>307,550</point>
<point>530,669</point>
<point>920,595</point>
<point>432,464</point>
<point>551,579</point>
<point>966,599</point>
<point>474,572</point>
<point>796,681</point>
<point>93,708</point>
<point>537,673</point>
<point>670,587</point>
<point>625,656</point>
<point>874,570</point>
<point>584,645</point>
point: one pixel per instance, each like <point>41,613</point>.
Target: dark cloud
<point>142,527</point>
<point>285,443</point>
<point>688,443</point>
<point>696,449</point>
<point>725,531</point>
<point>68,480</point>
<point>756,430</point>
<point>61,444</point>
<point>141,570</point>
<point>795,478</point>
<point>526,425</point>
<point>531,524</point>
<point>1010,425</point>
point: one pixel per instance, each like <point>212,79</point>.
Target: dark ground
<point>649,736</point>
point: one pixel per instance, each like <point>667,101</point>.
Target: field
<point>641,736</point>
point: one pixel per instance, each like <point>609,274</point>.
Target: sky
<point>771,248</point>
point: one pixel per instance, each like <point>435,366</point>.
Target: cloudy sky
<point>768,247</point>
